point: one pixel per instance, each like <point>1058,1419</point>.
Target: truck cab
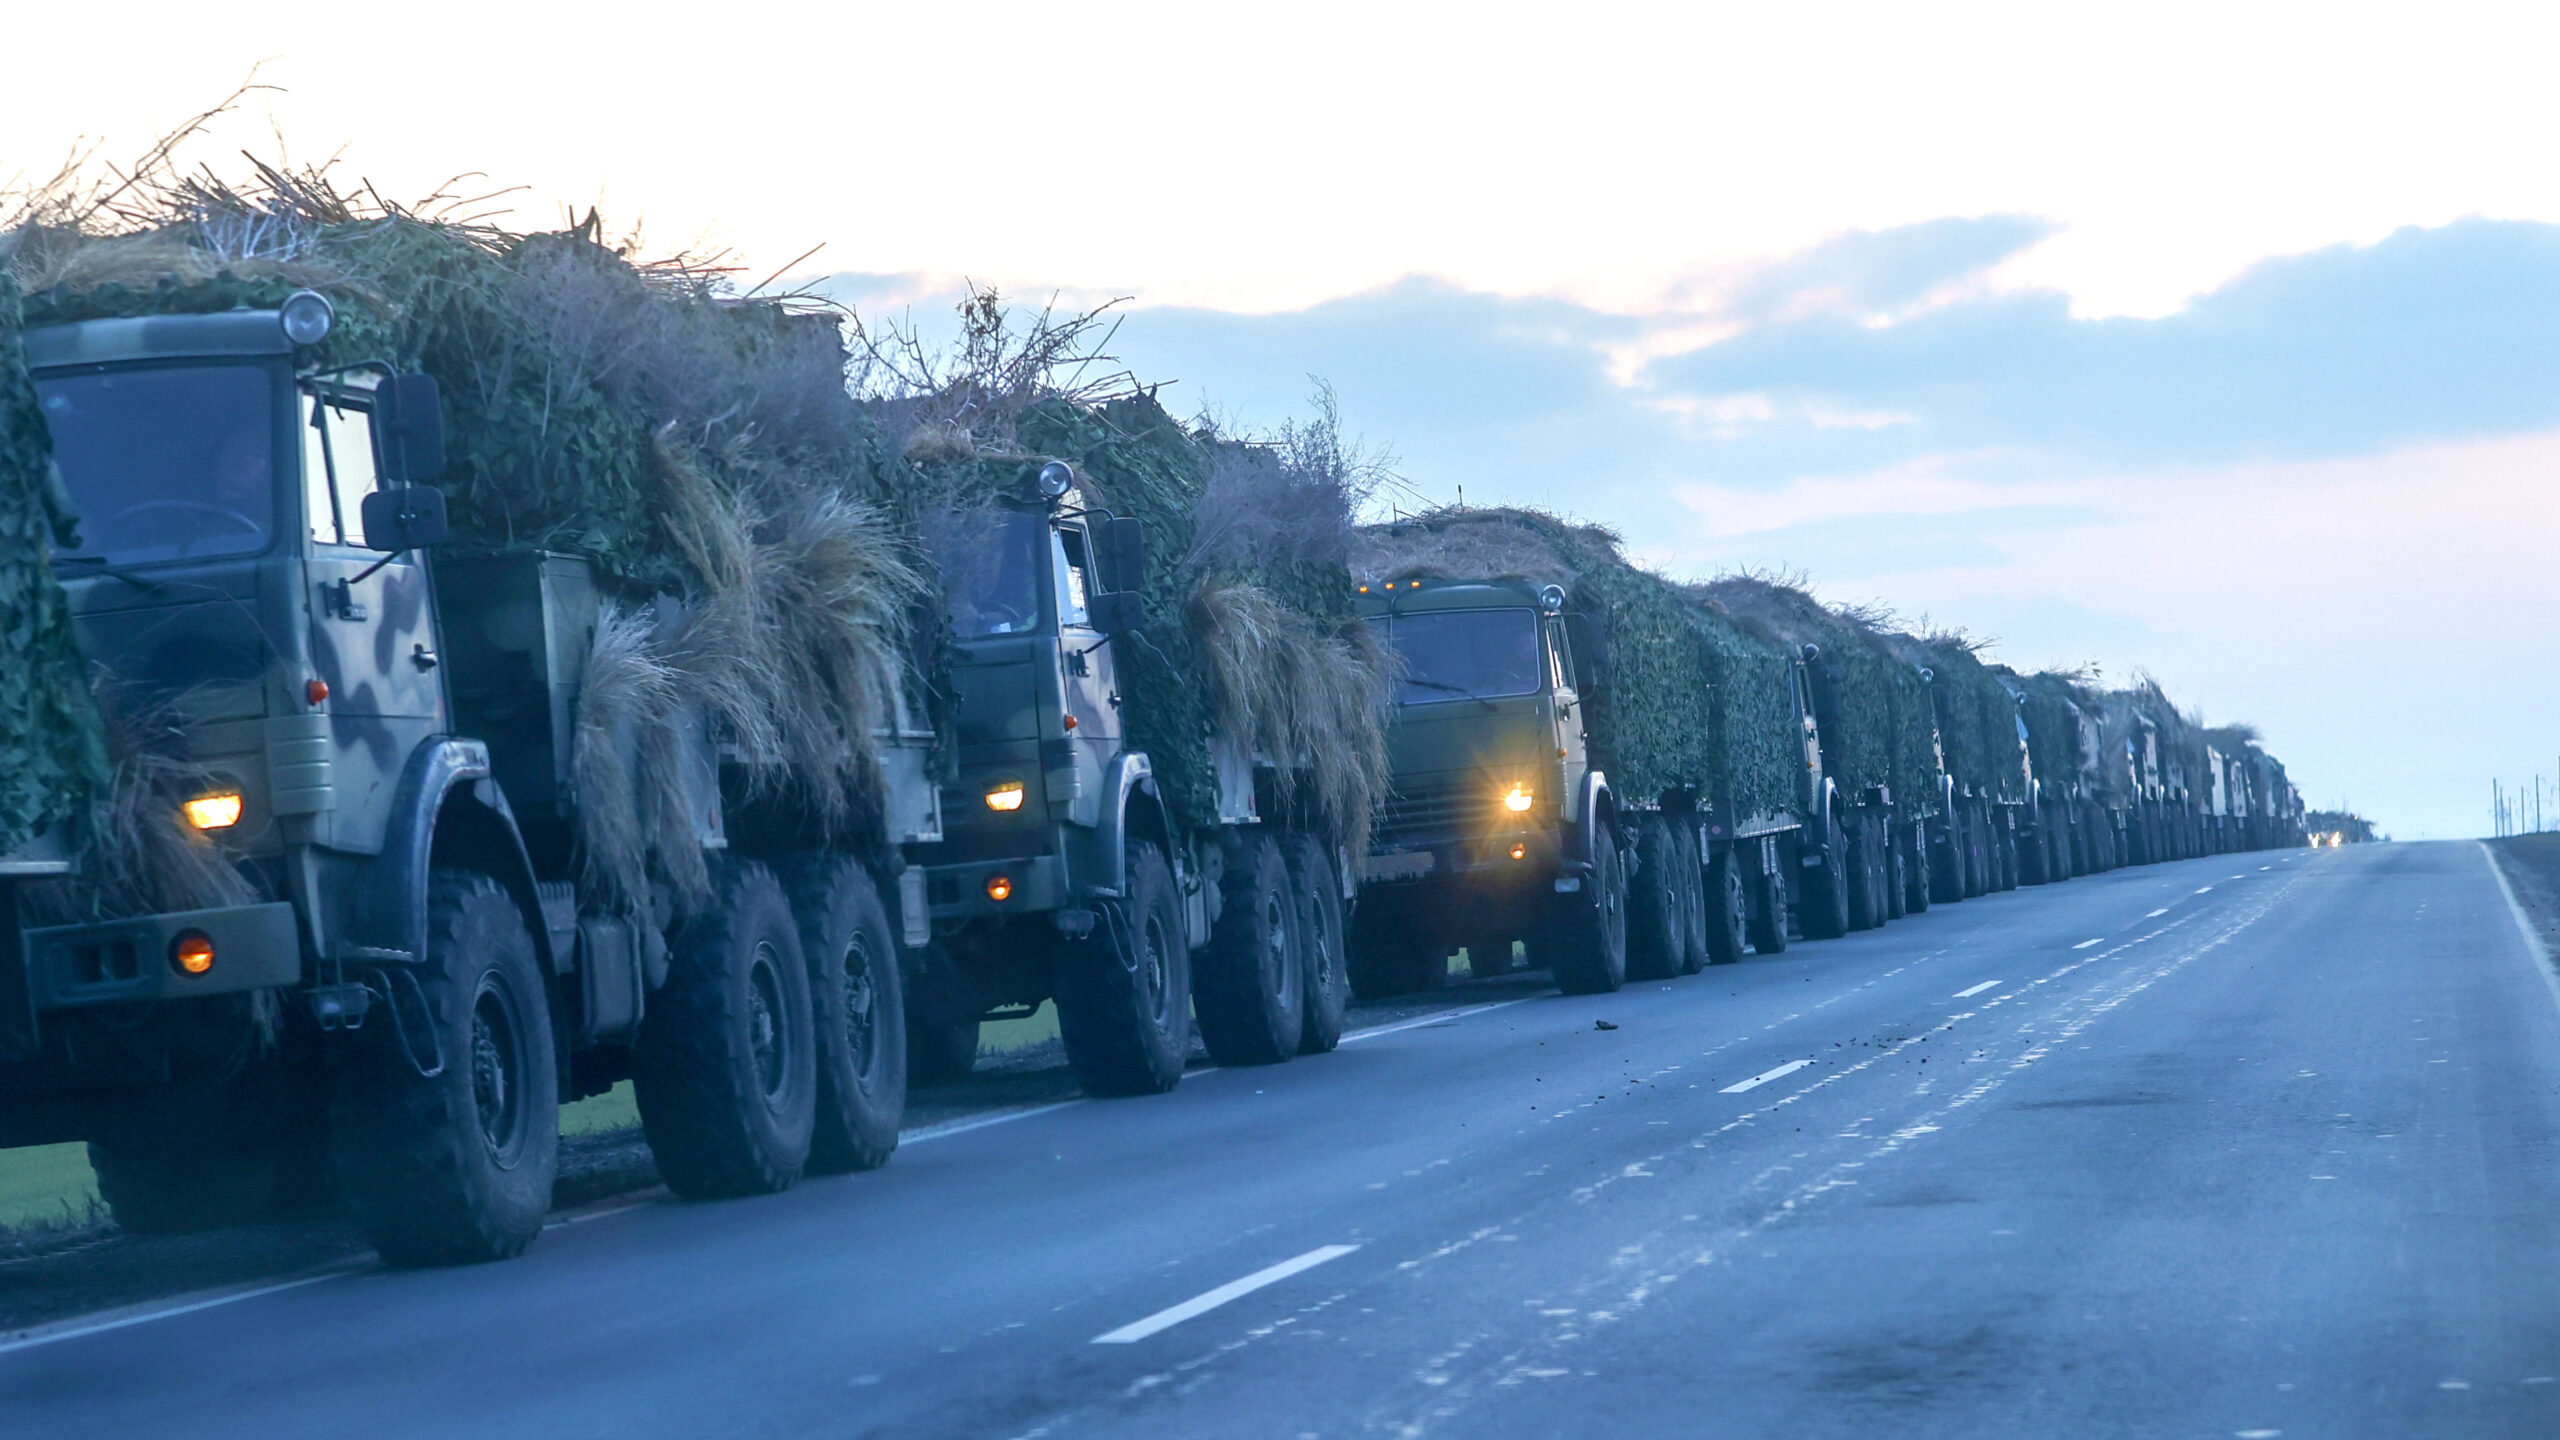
<point>1497,816</point>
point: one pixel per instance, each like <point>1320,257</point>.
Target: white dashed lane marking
<point>1765,1076</point>
<point>1202,1304</point>
<point>1972,990</point>
<point>2085,944</point>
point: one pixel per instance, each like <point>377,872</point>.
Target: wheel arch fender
<point>1136,811</point>
<point>449,810</point>
<point>1596,804</point>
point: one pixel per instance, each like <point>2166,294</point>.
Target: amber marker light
<point>1519,852</point>
<point>192,952</point>
<point>218,811</point>
<point>1006,796</point>
<point>315,691</point>
<point>1519,800</point>
<point>999,888</point>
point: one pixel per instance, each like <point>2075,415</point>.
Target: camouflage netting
<point>1884,730</point>
<point>1978,733</point>
<point>685,440</point>
<point>1692,699</point>
<point>52,752</point>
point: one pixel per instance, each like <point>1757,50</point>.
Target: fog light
<point>192,952</point>
<point>218,811</point>
<point>1006,797</point>
<point>1519,800</point>
<point>999,888</point>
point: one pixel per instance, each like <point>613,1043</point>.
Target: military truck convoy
<point>430,718</point>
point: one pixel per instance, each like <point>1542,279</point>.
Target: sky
<point>2219,341</point>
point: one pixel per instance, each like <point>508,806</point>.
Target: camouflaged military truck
<point>1063,873</point>
<point>419,978</point>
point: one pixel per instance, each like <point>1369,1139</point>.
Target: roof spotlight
<point>1056,479</point>
<point>307,316</point>
<point>1551,599</point>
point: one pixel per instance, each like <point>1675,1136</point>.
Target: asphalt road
<point>2239,1147</point>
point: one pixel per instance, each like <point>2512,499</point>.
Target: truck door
<point>1087,681</point>
<point>373,635</point>
<point>1571,740</point>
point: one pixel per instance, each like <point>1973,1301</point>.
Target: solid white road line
<point>1765,1076</point>
<point>1972,990</point>
<point>149,1311</point>
<point>2085,944</point>
<point>1437,1017</point>
<point>949,1128</point>
<point>1202,1304</point>
<point>2533,946</point>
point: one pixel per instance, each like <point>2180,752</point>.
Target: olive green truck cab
<point>1502,826</point>
<point>398,969</point>
<point>1063,873</point>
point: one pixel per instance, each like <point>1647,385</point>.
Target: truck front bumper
<point>68,967</point>
<point>1034,885</point>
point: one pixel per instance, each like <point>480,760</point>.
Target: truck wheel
<point>1705,897</point>
<point>940,1054</point>
<point>1915,867</point>
<point>1584,942</point>
<point>1312,878</point>
<point>1392,953</point>
<point>1826,886</point>
<point>1249,988</point>
<point>1124,995</point>
<point>1729,926</point>
<point>726,1071</point>
<point>1657,940</point>
<point>1897,892</point>
<point>204,1160</point>
<point>1768,904</point>
<point>457,1166</point>
<point>1866,890</point>
<point>857,1000</point>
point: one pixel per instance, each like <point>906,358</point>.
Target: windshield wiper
<point>1452,689</point>
<point>97,565</point>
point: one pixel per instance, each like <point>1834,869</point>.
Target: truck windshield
<point>991,574</point>
<point>1462,654</point>
<point>166,464</point>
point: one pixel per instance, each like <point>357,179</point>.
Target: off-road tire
<point>1768,904</point>
<point>1124,992</point>
<point>1584,941</point>
<point>1701,914</point>
<point>857,1004</point>
<point>1915,868</point>
<point>1392,953</point>
<point>458,1166</point>
<point>1249,984</point>
<point>1866,892</point>
<point>1897,891</point>
<point>1657,909</point>
<point>208,1158</point>
<point>726,1070</point>
<point>1319,890</point>
<point>1728,928</point>
<point>1825,887</point>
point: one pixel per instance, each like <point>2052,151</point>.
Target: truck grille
<point>1437,809</point>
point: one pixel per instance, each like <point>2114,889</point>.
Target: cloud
<point>2427,335</point>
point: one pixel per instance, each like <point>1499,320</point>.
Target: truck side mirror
<point>404,517</point>
<point>408,429</point>
<point>1124,546</point>
<point>1115,612</point>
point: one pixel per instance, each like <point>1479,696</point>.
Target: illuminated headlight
<point>218,811</point>
<point>1006,797</point>
<point>1519,800</point>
